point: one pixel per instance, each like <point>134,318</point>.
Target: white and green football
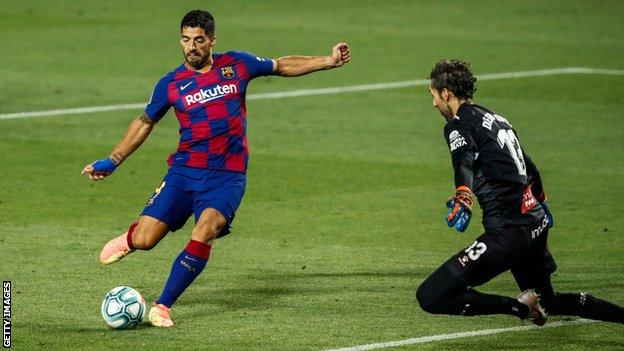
<point>123,308</point>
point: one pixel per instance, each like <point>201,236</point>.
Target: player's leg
<point>188,265</point>
<point>143,234</point>
<point>193,259</point>
<point>148,233</point>
<point>214,212</point>
<point>166,210</point>
<point>577,304</point>
<point>538,276</point>
<point>444,293</point>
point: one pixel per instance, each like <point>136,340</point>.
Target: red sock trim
<point>198,249</point>
<point>129,235</point>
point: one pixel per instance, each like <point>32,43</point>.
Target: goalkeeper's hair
<point>199,18</point>
<point>454,75</point>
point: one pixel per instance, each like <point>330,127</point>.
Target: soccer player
<point>488,161</point>
<point>207,172</point>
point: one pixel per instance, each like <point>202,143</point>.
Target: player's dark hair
<point>454,75</point>
<point>199,18</point>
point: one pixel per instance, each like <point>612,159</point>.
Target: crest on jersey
<point>227,72</point>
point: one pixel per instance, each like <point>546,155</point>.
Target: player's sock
<point>583,305</point>
<point>129,235</point>
<point>189,264</point>
<point>474,303</point>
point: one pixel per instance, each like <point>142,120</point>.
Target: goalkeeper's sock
<point>187,266</point>
<point>474,303</point>
<point>583,305</point>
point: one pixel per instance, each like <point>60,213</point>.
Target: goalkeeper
<point>490,163</point>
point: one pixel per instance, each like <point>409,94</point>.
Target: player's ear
<point>445,94</point>
<point>213,41</point>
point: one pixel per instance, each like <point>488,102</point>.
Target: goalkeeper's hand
<point>460,209</point>
<point>99,169</point>
<point>543,201</point>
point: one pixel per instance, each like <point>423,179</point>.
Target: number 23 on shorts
<point>475,250</point>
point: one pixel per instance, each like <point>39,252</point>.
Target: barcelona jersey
<point>210,108</point>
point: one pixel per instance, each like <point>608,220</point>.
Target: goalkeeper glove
<point>104,166</point>
<point>543,201</point>
<point>460,209</point>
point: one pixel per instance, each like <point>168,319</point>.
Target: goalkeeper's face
<point>197,46</point>
<point>440,102</point>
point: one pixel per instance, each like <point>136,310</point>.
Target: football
<point>123,308</point>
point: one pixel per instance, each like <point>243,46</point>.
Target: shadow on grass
<point>267,290</point>
<point>96,329</point>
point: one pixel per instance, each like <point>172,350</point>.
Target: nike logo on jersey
<point>185,86</point>
<point>189,258</point>
<point>205,95</point>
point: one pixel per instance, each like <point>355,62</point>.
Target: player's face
<point>440,103</point>
<point>196,46</point>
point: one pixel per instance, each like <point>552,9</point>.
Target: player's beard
<point>197,61</point>
<point>446,112</point>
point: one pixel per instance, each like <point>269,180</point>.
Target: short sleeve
<point>158,104</point>
<point>256,66</point>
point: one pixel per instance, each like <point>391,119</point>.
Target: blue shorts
<point>186,190</point>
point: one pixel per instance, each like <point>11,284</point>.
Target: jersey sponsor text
<point>205,95</point>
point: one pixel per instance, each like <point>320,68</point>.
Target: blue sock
<point>189,264</point>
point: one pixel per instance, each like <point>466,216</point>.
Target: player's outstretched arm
<point>138,130</point>
<point>294,66</point>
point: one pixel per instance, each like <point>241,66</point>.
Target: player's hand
<point>543,201</point>
<point>460,209</point>
<point>340,54</point>
<point>99,169</point>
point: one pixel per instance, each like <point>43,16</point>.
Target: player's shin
<point>583,305</point>
<point>187,266</point>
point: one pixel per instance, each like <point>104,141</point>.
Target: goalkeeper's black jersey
<point>487,157</point>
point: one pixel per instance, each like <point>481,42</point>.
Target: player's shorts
<point>185,191</point>
<point>521,249</point>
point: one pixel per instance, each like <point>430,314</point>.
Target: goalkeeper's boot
<point>159,316</point>
<point>537,314</point>
<point>115,249</point>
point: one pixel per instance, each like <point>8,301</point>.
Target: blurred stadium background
<point>343,216</point>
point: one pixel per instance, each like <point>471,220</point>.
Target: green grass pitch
<point>343,215</point>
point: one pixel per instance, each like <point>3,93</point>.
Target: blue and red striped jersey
<point>211,110</point>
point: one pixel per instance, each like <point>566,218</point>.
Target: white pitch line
<point>469,334</point>
<point>323,91</point>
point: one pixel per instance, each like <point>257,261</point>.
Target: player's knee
<point>210,224</point>
<point>143,242</point>
<point>427,298</point>
<point>205,233</point>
